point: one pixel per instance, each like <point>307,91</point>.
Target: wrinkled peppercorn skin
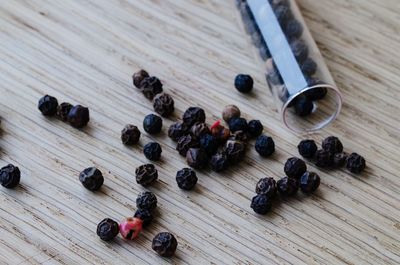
<point>10,176</point>
<point>332,144</point>
<point>62,111</point>
<point>107,229</point>
<point>177,130</point>
<point>165,244</point>
<point>229,112</point>
<point>145,215</point>
<point>244,83</point>
<point>194,115</point>
<point>91,178</point>
<point>355,163</point>
<point>152,151</point>
<point>185,143</point>
<point>78,116</point>
<point>309,182</point>
<point>138,77</point>
<point>339,159</point>
<point>199,129</point>
<point>261,204</point>
<point>151,86</point>
<point>152,124</point>
<point>283,14</point>
<point>323,158</point>
<point>255,128</point>
<point>219,162</point>
<point>309,67</point>
<point>287,186</point>
<point>300,50</point>
<point>163,104</point>
<point>238,124</point>
<point>146,200</point>
<point>235,151</point>
<point>239,136</point>
<point>209,144</point>
<point>186,178</point>
<point>48,105</point>
<point>295,168</point>
<point>307,148</point>
<point>220,132</point>
<point>266,186</point>
<point>146,174</point>
<point>293,29</point>
<point>130,135</point>
<point>196,158</point>
<point>265,146</point>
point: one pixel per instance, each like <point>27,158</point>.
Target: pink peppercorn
<point>130,228</point>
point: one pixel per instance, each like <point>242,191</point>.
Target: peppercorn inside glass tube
<point>296,73</point>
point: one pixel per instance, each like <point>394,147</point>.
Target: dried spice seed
<point>295,168</point>
<point>152,124</point>
<point>164,244</point>
<point>293,29</point>
<point>151,86</point>
<point>193,115</point>
<point>48,105</point>
<point>185,143</point>
<point>146,200</point>
<point>266,186</point>
<point>220,132</point>
<point>199,129</point>
<point>239,136</point>
<point>265,146</point>
<point>152,151</point>
<point>219,162</point>
<point>303,106</point>
<point>146,174</point>
<point>78,116</point>
<point>309,182</point>
<point>196,158</point>
<point>315,93</point>
<point>130,135</point>
<point>186,178</point>
<point>244,83</point>
<point>229,112</point>
<point>238,124</point>
<point>209,144</point>
<point>145,215</point>
<point>62,111</point>
<point>300,50</point>
<point>177,130</point>
<point>163,104</point>
<point>307,148</point>
<point>138,77</point>
<point>287,186</point>
<point>261,204</point>
<point>283,14</point>
<point>323,158</point>
<point>355,163</point>
<point>309,67</point>
<point>339,159</point>
<point>91,178</point>
<point>107,229</point>
<point>130,228</point>
<point>332,144</point>
<point>255,128</point>
<point>10,176</point>
<point>235,151</point>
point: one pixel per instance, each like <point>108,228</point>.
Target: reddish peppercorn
<point>10,176</point>
<point>323,158</point>
<point>130,228</point>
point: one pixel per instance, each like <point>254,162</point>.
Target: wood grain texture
<point>85,51</point>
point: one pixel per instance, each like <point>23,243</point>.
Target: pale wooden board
<point>85,52</point>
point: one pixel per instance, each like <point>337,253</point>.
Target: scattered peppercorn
<point>239,136</point>
<point>177,130</point>
<point>293,29</point>
<point>355,163</point>
<point>295,168</point>
<point>332,144</point>
<point>164,244</point>
<point>220,132</point>
<point>152,124</point>
<point>62,111</point>
<point>130,228</point>
<point>266,186</point>
<point>265,145</point>
<point>78,116</point>
<point>130,135</point>
<point>145,215</point>
<point>309,182</point>
<point>152,151</point>
<point>185,143</point>
<point>261,204</point>
<point>186,178</point>
<point>91,178</point>
<point>163,104</point>
<point>244,83</point>
<point>196,158</point>
<point>219,162</point>
<point>309,67</point>
<point>193,115</point>
<point>146,174</point>
<point>303,106</point>
<point>323,158</point>
<point>307,148</point>
<point>209,144</point>
<point>229,112</point>
<point>287,186</point>
<point>199,129</point>
<point>48,105</point>
<point>238,124</point>
<point>255,128</point>
<point>235,151</point>
<point>339,159</point>
<point>138,77</point>
<point>10,176</point>
<point>107,229</point>
<point>151,86</point>
<point>146,200</point>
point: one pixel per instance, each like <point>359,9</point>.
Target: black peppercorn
<point>186,178</point>
<point>152,124</point>
<point>315,93</point>
<point>355,163</point>
<point>255,128</point>
<point>309,182</point>
<point>163,104</point>
<point>309,67</point>
<point>151,86</point>
<point>186,142</point>
<point>62,111</point>
<point>107,229</point>
<point>323,158</point>
<point>209,144</point>
<point>293,29</point>
<point>177,130</point>
<point>287,186</point>
<point>229,112</point>
<point>219,162</point>
<point>10,176</point>
<point>91,178</point>
<point>300,50</point>
<point>146,200</point>
<point>295,167</point>
<point>239,136</point>
<point>164,244</point>
<point>332,144</point>
<point>235,151</point>
<point>199,129</point>
<point>193,115</point>
<point>266,186</point>
<point>244,83</point>
<point>138,77</point>
<point>307,148</point>
<point>78,116</point>
<point>238,124</point>
<point>265,145</point>
<point>152,151</point>
<point>303,106</point>
<point>196,158</point>
<point>48,105</point>
<point>283,14</point>
<point>145,215</point>
<point>130,135</point>
<point>339,159</point>
<point>146,174</point>
<point>261,204</point>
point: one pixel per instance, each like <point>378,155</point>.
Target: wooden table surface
<point>84,52</point>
